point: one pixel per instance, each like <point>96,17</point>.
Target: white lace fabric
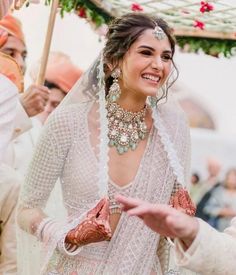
<point>64,152</point>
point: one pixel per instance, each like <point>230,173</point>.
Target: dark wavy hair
<point>123,32</point>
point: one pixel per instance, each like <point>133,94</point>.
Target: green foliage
<point>92,12</point>
<point>211,46</point>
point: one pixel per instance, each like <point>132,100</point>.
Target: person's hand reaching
<point>162,219</point>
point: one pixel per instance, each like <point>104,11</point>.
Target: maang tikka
<point>114,90</point>
<point>158,32</point>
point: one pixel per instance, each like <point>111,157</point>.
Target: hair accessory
<point>158,32</point>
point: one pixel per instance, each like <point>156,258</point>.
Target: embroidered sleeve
<point>207,242</point>
<point>48,159</point>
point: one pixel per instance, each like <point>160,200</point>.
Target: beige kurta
<point>9,186</point>
<point>212,252</point>
<point>22,122</point>
<point>20,150</point>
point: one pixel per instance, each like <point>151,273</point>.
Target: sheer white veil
<point>91,87</point>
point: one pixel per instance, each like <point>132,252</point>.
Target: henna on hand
<point>95,227</point>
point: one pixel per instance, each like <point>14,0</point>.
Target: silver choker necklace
<point>126,128</point>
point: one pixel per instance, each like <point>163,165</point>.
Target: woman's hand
<point>94,228</point>
<point>162,219</point>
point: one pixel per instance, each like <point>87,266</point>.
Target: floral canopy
<point>218,18</point>
<point>206,25</point>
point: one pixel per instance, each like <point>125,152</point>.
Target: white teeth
<point>151,77</point>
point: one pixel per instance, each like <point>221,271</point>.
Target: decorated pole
<point>47,43</point>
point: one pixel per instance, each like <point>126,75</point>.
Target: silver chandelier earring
<point>114,90</point>
<point>160,94</point>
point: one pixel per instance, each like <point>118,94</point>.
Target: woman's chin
<point>152,93</point>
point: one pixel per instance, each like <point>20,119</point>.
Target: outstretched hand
<point>162,219</point>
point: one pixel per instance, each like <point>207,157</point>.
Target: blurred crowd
<point>215,197</point>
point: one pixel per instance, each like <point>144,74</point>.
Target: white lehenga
<point>65,150</point>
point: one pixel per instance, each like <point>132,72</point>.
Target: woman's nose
<point>157,64</point>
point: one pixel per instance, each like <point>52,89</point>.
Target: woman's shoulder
<point>68,112</point>
<point>66,118</point>
<point>71,109</point>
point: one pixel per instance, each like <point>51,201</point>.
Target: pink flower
<point>206,7</point>
<point>136,7</point>
<point>82,12</point>
<point>199,24</point>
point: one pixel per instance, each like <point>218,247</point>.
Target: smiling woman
<point>108,137</point>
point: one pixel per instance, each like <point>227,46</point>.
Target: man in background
<point>9,181</point>
<point>61,75</point>
<point>33,100</point>
<point>208,187</point>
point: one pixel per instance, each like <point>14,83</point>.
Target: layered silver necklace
<point>125,128</point>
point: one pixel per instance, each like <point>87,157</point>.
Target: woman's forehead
<point>147,38</point>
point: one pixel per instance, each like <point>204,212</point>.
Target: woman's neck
<point>131,102</point>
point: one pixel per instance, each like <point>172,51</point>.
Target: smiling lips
<point>154,78</point>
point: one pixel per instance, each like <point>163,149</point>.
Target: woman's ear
<point>110,67</point>
<point>113,66</point>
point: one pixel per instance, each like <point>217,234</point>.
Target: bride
<point>111,135</point>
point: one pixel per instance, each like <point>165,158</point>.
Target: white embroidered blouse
<point>64,152</point>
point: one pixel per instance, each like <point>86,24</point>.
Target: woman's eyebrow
<point>146,47</point>
<point>152,49</point>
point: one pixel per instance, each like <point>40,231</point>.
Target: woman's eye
<point>166,57</point>
<point>146,52</point>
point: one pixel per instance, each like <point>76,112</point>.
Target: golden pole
<point>47,43</point>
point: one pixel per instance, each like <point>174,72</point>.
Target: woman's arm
<point>44,170</point>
